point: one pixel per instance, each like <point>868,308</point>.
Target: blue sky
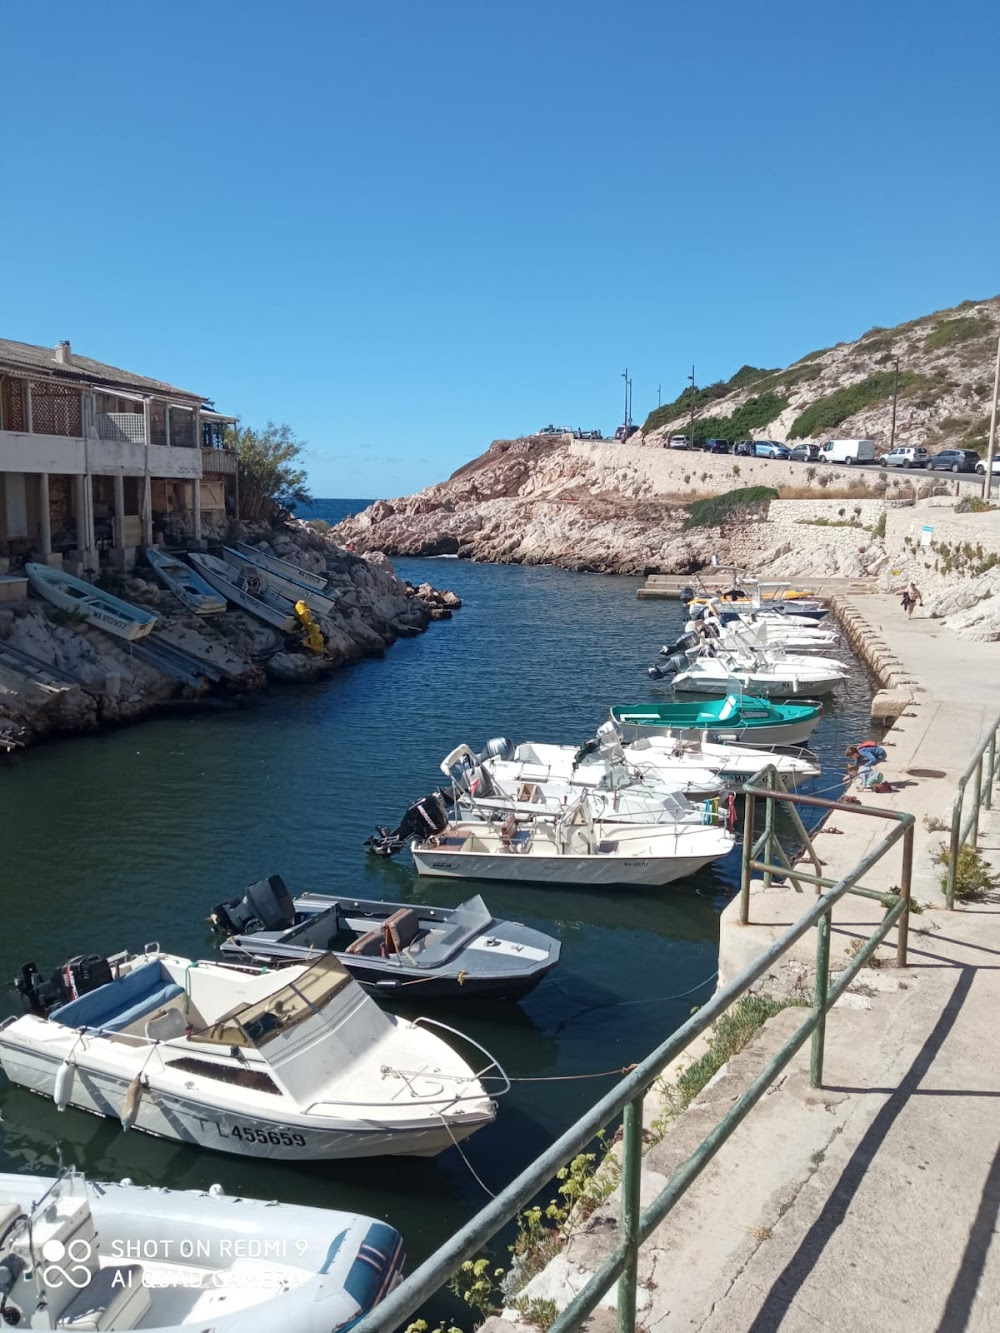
<point>407,229</point>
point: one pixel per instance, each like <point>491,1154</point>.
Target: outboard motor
<point>79,976</point>
<point>682,645</point>
<point>266,905</point>
<point>500,747</point>
<point>677,661</point>
<point>687,593</point>
<point>423,819</point>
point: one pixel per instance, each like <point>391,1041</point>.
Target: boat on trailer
<point>185,583</point>
<point>78,1254</point>
<point>737,717</point>
<point>274,563</point>
<point>248,593</point>
<point>392,948</point>
<point>97,607</point>
<point>296,1064</point>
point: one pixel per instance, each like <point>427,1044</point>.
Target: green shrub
<point>972,875</point>
<point>746,503</point>
<point>973,504</point>
<point>703,398</point>
<point>731,1032</point>
<point>951,331</point>
<point>755,413</point>
<point>826,413</point>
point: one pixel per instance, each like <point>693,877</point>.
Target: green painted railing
<point>965,827</point>
<point>627,1097</point>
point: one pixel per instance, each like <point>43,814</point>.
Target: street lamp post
<point>625,418</point>
<point>658,402</point>
<point>691,427</point>
<point>991,448</point>
<point>895,394</point>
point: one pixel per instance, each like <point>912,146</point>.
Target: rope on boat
<point>461,1152</point>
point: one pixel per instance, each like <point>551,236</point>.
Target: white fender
<point>63,1087</point>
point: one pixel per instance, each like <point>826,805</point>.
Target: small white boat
<point>93,604</point>
<point>274,563</point>
<point>319,603</point>
<point>182,580</point>
<point>571,846</point>
<point>732,764</point>
<point>77,1255</point>
<point>248,593</point>
<point>298,1064</point>
<point>712,670</point>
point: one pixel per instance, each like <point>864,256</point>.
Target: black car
<point>804,453</point>
<point>717,446</point>
<point>953,460</point>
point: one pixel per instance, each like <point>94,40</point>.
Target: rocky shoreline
<point>60,677</point>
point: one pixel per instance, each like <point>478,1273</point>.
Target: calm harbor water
<point>132,836</point>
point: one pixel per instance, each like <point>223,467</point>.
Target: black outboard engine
<point>423,819</point>
<point>686,641</point>
<point>687,593</point>
<point>79,976</point>
<point>266,905</point>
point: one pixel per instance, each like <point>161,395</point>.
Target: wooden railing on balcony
<point>219,461</point>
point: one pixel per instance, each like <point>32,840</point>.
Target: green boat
<point>756,721</point>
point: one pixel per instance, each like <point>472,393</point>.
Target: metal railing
<point>627,1097</point>
<point>965,827</point>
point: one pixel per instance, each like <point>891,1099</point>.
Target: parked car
<point>981,466</point>
<point>678,442</point>
<point>555,430</point>
<point>953,460</point>
<point>717,446</point>
<point>579,434</point>
<point>804,453</point>
<point>770,449</point>
<point>905,456</point>
<point>744,448</point>
<point>625,432</point>
<point>848,451</point>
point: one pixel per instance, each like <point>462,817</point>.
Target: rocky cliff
<point>621,507</point>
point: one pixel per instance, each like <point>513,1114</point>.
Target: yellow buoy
<point>311,636</point>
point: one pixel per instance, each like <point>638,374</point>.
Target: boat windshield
<point>255,1024</point>
<point>465,923</point>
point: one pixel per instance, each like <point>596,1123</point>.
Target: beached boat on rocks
<point>185,583</point>
<point>97,607</point>
<point>249,593</point>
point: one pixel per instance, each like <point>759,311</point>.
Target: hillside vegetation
<point>944,384</point>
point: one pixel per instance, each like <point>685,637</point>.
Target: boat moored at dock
<point>738,717</point>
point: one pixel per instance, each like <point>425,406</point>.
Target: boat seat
<point>114,1298</point>
<point>368,946</point>
<point>118,1003</point>
<point>401,929</point>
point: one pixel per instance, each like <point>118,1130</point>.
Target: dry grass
<point>817,492</point>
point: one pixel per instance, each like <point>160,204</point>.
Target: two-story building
<point>97,461</point>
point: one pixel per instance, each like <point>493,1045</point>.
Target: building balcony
<point>219,461</point>
<point>71,455</point>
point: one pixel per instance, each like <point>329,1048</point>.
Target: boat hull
<point>566,871</point>
<point>788,686</point>
<point>186,585</point>
<point>98,608</point>
<point>318,602</point>
<point>287,1137</point>
<point>283,621</point>
<point>305,577</point>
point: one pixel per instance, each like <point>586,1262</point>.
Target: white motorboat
<point>559,771</point>
<point>243,566</point>
<point>713,670</point>
<point>185,583</point>
<point>274,563</point>
<point>96,606</point>
<point>763,627</point>
<point>569,846</point>
<point>298,1064</point>
<point>247,592</point>
<point>77,1255</point>
<point>733,764</point>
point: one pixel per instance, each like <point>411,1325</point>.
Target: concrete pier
<point>872,1202</point>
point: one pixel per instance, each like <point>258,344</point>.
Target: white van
<point>848,451</point>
